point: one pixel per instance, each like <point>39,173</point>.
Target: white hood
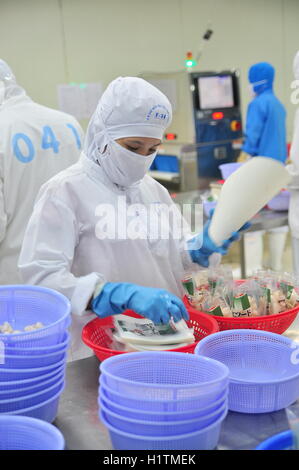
<point>8,84</point>
<point>129,107</point>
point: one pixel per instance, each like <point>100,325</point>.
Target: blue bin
<point>281,441</point>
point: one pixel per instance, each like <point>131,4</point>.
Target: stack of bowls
<point>264,368</point>
<point>32,363</point>
<point>163,401</point>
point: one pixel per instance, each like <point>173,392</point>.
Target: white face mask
<point>252,93</point>
<point>124,167</point>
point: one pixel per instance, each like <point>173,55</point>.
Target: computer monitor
<point>215,90</point>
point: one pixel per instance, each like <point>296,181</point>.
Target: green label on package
<point>216,311</point>
<point>212,283</point>
<point>241,302</point>
<point>189,286</point>
<point>287,289</point>
<point>267,294</point>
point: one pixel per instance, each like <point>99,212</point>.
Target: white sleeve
<point>48,251</point>
<point>294,150</point>
<point>185,233</point>
<point>293,167</point>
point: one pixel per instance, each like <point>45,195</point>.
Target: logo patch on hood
<point>158,113</point>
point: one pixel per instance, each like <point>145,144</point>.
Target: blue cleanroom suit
<point>265,123</point>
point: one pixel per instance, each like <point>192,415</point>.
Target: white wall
<point>48,42</point>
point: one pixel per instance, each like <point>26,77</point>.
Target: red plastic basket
<point>95,336</point>
<point>275,323</point>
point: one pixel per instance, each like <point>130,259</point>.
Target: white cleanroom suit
<point>36,143</point>
<point>66,246</point>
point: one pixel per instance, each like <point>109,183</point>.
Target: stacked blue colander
<point>32,363</point>
<point>163,400</point>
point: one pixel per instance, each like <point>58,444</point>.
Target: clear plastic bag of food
<point>216,304</point>
<point>248,300</point>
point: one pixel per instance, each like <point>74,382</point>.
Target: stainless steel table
<point>78,416</point>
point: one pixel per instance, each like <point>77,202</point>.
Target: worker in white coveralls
<point>36,143</point>
<point>67,245</point>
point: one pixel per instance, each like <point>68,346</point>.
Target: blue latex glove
<point>156,304</point>
<point>201,255</point>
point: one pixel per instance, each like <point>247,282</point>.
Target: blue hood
<point>259,72</point>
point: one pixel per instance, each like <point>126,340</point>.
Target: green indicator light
<point>82,85</point>
<point>190,63</point>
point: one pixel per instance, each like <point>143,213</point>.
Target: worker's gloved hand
<point>201,255</point>
<point>156,304</point>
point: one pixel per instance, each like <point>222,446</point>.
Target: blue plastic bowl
<point>164,376</point>
<point>264,369</point>
<point>23,362</point>
<point>47,410</point>
<point>33,388</point>
<point>281,441</point>
<point>39,350</point>
<point>26,373</point>
<point>204,439</point>
<point>228,168</point>
<point>280,202</point>
<point>160,428</point>
<point>12,404</point>
<point>23,433</point>
<point>19,384</point>
<point>161,415</point>
<point>162,406</point>
<point>25,305</point>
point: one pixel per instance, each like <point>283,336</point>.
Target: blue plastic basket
<point>264,369</point>
<point>281,441</point>
<point>39,350</point>
<point>47,410</point>
<point>228,168</point>
<point>30,389</point>
<point>12,404</point>
<point>25,305</point>
<point>280,202</point>
<point>204,439</point>
<point>160,428</point>
<point>164,376</point>
<point>22,362</point>
<point>161,415</point>
<point>20,374</point>
<point>162,406</point>
<point>23,433</point>
<point>19,384</point>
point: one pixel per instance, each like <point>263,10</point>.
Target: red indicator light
<point>218,115</point>
<point>235,126</point>
<point>170,136</point>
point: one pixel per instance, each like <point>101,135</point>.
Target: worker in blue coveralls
<point>265,135</point>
